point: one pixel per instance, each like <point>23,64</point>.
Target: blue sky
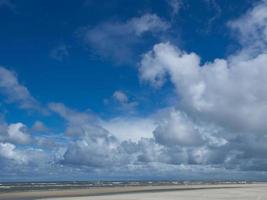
<point>111,89</point>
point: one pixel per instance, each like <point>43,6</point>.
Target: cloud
<point>175,6</point>
<point>18,152</point>
<point>8,4</point>
<point>115,40</point>
<point>217,12</point>
<point>23,155</point>
<point>122,102</point>
<point>8,151</point>
<point>39,126</point>
<point>228,92</point>
<point>92,145</point>
<point>70,115</point>
<point>120,96</point>
<point>164,143</point>
<point>146,23</point>
<point>177,129</point>
<point>130,128</point>
<point>219,120</point>
<point>17,133</point>
<point>129,142</point>
<point>95,148</point>
<point>16,92</point>
<point>24,163</point>
<point>100,144</point>
<point>169,137</point>
<point>251,29</point>
<point>60,53</point>
<point>75,119</point>
<point>217,128</point>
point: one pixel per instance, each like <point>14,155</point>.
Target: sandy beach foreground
<point>181,192</point>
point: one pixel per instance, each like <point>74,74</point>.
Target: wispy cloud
<point>8,4</point>
<point>60,52</point>
<point>116,40</point>
<point>175,6</point>
<point>16,92</point>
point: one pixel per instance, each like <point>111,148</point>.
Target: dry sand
<point>190,192</point>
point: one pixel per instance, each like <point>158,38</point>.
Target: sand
<point>196,192</point>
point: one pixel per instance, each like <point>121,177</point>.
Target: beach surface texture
<point>181,192</point>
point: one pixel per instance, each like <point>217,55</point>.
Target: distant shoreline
<point>99,191</point>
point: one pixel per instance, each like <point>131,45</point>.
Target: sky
<point>133,90</point>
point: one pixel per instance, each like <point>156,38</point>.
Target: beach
<point>256,191</point>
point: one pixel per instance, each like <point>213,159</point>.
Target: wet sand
<point>181,192</point>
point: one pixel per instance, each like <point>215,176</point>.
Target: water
<point>37,186</point>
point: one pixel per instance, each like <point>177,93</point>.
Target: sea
<point>37,186</point>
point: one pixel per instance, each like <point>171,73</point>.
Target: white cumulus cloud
<point>17,133</point>
<point>228,92</point>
